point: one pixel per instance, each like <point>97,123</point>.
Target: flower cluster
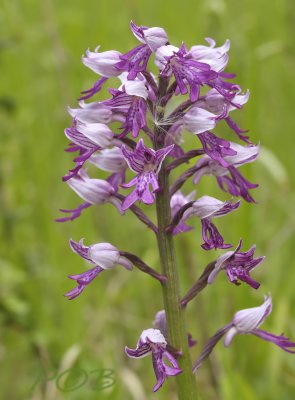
<point>133,138</point>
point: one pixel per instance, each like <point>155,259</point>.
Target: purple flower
<point>95,112</point>
<point>214,102</point>
<point>196,68</point>
<point>147,164</point>
<point>237,265</point>
<point>217,104</point>
<point>218,108</point>
<point>86,139</point>
<point>135,61</point>
<point>90,136</point>
<point>153,37</point>
<point>127,105</point>
<point>244,155</point>
<point>136,114</point>
<point>162,56</point>
<point>206,208</point>
<point>185,69</point>
<point>102,255</point>
<point>209,207</point>
<point>216,57</point>
<point>98,133</point>
<point>216,148</point>
<point>103,63</point>
<point>153,342</point>
<point>130,102</point>
<point>92,191</point>
<point>236,184</point>
<point>246,322</point>
<point>83,145</point>
<point>198,120</point>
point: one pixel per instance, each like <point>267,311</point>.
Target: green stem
<point>186,384</point>
<point>185,381</point>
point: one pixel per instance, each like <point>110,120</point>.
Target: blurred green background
<point>43,334</point>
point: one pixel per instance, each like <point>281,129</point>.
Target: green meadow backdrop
<point>52,348</point>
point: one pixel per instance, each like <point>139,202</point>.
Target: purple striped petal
<point>282,341</point>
